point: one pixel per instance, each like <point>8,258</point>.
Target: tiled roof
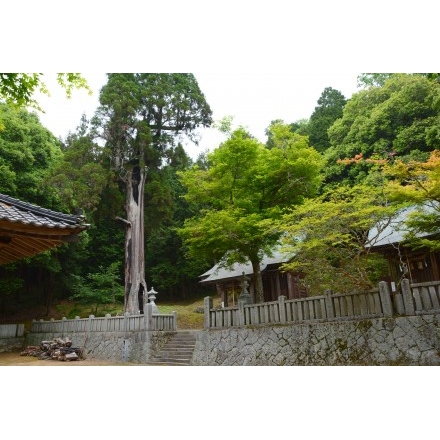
<point>15,210</point>
<point>394,231</point>
<point>219,272</point>
<point>26,229</point>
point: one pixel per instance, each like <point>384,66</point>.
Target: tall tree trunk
<point>135,285</point>
<point>258,281</point>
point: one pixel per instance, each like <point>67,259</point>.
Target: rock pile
<point>58,349</point>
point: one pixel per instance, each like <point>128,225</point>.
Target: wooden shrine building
<point>418,265</point>
<point>276,282</point>
<point>27,230</point>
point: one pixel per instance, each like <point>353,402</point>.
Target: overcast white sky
<point>253,99</point>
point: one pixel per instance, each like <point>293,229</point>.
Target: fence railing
<point>108,323</point>
<point>11,331</point>
<point>420,298</point>
<point>411,300</point>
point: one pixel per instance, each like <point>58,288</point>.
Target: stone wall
<point>11,344</point>
<point>11,337</point>
<point>135,347</point>
<point>412,340</point>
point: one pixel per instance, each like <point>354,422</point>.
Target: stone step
<point>182,342</point>
<point>177,351</point>
<point>184,338</point>
<point>174,344</point>
<point>170,364</point>
<point>171,358</point>
<point>172,351</point>
<point>174,354</point>
<point>186,354</point>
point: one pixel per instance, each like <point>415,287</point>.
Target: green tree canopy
<point>19,88</point>
<point>28,155</point>
<point>27,151</point>
<point>330,106</point>
<point>400,119</point>
<point>418,183</point>
<point>98,288</point>
<point>366,80</point>
<point>81,175</point>
<point>246,187</point>
<point>328,237</point>
<point>141,116</point>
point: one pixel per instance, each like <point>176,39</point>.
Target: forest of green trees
<point>316,185</point>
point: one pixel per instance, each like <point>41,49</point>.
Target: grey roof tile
<point>219,272</point>
<point>395,231</point>
<point>27,230</point>
<point>17,211</point>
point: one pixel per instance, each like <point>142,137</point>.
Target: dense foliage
<point>140,117</point>
<point>98,288</point>
<point>27,150</point>
<point>245,187</point>
<point>320,184</point>
<point>330,106</point>
<point>397,120</point>
<point>329,237</point>
<point>19,88</point>
<point>418,183</point>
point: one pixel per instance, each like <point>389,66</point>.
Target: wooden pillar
<point>252,290</point>
<point>277,284</point>
<point>223,293</point>
<point>290,286</point>
<point>434,265</point>
<point>391,268</point>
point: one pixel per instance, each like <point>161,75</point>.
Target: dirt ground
<point>15,359</point>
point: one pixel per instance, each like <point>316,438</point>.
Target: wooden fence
<point>108,323</point>
<point>11,331</point>
<point>410,300</point>
<point>417,299</point>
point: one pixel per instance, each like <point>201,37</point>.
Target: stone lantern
<point>151,298</point>
<point>245,296</point>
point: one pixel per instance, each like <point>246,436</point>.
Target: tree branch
<point>123,221</point>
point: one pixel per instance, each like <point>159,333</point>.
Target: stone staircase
<point>178,351</point>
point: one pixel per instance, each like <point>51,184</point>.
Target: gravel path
<point>14,359</point>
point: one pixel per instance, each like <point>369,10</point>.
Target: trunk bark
<point>135,285</point>
<point>258,281</point>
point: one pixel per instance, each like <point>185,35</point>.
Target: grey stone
<point>381,341</point>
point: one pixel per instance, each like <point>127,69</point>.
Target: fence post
<point>106,324</point>
<point>385,299</point>
<point>174,320</point>
<point>63,321</point>
<point>77,318</point>
<point>126,315</point>
<point>408,302</point>
<point>329,308</point>
<point>207,307</point>
<point>282,308</point>
<point>148,316</point>
<point>241,317</point>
